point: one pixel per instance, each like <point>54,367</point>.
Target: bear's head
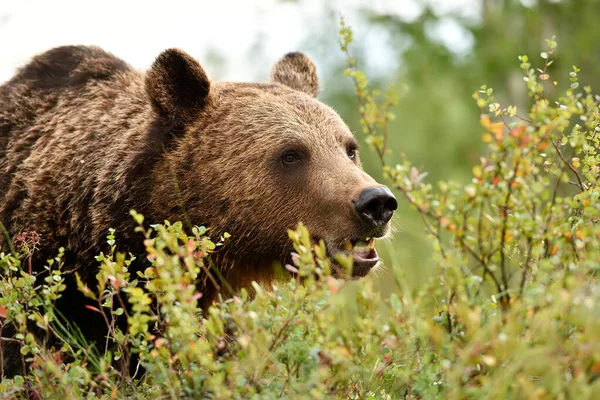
<point>254,159</point>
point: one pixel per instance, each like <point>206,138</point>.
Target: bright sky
<point>138,31</point>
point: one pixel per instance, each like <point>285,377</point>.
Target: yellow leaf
<point>485,121</point>
<point>489,360</point>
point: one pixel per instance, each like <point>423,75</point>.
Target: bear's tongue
<point>363,250</point>
<point>364,254</point>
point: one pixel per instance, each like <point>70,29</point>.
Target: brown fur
<point>84,138</point>
<point>297,71</point>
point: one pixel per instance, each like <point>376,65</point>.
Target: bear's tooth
<point>348,246</point>
<point>371,243</point>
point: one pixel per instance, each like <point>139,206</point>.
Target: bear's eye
<point>351,153</point>
<point>290,157</point>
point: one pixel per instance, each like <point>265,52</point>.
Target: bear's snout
<point>375,206</point>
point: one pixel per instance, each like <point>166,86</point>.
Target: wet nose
<point>376,205</point>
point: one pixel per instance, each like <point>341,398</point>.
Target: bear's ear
<point>297,71</point>
<point>177,86</point>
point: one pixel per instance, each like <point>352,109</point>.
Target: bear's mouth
<point>362,250</point>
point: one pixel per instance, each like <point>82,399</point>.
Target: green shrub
<point>512,313</point>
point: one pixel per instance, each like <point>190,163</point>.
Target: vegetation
<point>511,311</point>
<point>443,53</point>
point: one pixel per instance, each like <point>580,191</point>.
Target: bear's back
<point>68,67</point>
<point>68,120</point>
<point>37,87</point>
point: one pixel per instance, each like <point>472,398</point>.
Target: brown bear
<point>84,138</point>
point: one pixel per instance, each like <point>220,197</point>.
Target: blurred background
<point>443,50</point>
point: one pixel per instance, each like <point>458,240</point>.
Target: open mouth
<point>363,253</point>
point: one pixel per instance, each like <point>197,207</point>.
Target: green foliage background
<point>437,120</point>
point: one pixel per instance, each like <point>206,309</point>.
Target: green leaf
<point>25,349</point>
<point>395,302</point>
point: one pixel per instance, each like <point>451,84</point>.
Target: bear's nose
<point>376,205</point>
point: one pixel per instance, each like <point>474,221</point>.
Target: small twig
<point>108,324</point>
<point>526,266</point>
<point>548,218</point>
<point>122,304</point>
<point>1,353</point>
<point>578,213</point>
<point>448,315</point>
<point>480,260</point>
<point>524,119</point>
<point>505,210</point>
<point>286,323</point>
<point>210,276</point>
<point>479,228</point>
<point>7,339</point>
<point>568,164</point>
